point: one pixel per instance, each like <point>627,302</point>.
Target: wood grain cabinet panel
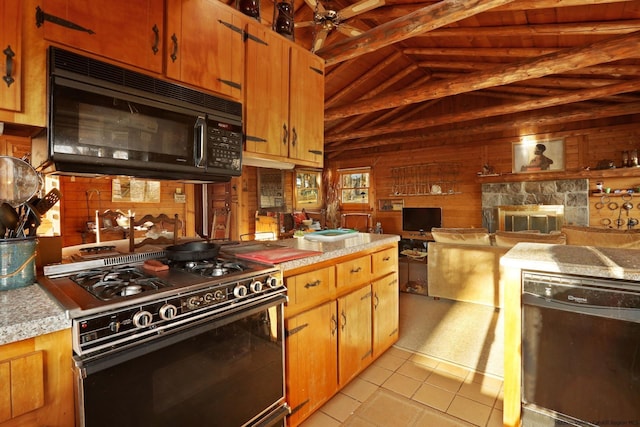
<point>205,43</point>
<point>5,391</point>
<point>384,262</point>
<point>311,362</point>
<point>307,290</point>
<point>11,56</point>
<point>385,313</point>
<point>22,385</point>
<point>354,334</point>
<point>353,273</point>
<point>127,31</point>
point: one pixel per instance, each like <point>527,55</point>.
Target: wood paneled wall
<point>83,196</point>
<point>583,149</point>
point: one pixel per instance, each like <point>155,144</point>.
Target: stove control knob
<point>218,295</point>
<point>114,326</point>
<point>168,311</point>
<point>272,282</point>
<point>240,291</point>
<point>255,286</point>
<point>142,319</point>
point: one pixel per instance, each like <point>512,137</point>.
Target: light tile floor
<point>405,389</point>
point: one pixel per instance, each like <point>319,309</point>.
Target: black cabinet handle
<point>285,137</point>
<point>174,54</point>
<point>8,78</point>
<point>295,137</point>
<point>156,39</point>
<point>312,284</point>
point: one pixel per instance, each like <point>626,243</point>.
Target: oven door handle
<point>620,313</point>
<point>92,364</point>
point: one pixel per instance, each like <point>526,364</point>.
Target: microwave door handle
<point>199,137</point>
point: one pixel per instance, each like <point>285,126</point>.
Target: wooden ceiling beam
<point>608,50</point>
<point>395,10</point>
<point>422,20</point>
<point>483,113</point>
<point>581,28</point>
<point>530,120</point>
<point>371,74</point>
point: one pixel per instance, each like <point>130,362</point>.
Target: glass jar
<point>249,7</point>
<point>284,21</point>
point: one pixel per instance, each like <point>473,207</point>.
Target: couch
<point>464,263</point>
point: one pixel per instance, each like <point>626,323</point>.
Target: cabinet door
<point>14,146</point>
<point>205,45</point>
<point>385,313</point>
<point>354,333</point>
<point>11,57</point>
<point>267,92</point>
<point>128,31</point>
<point>312,376</point>
<point>306,108</point>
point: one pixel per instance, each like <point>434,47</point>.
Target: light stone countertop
<point>29,312</point>
<point>348,246</point>
<point>612,263</point>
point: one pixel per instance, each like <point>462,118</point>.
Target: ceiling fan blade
<point>358,8</point>
<point>313,4</point>
<point>318,41</point>
<point>349,30</point>
<point>304,24</point>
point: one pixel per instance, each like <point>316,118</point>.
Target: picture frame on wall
<point>538,156</point>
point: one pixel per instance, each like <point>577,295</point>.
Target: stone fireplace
<point>570,196</point>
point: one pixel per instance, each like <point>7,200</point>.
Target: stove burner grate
<point>208,268</point>
<point>118,282</point>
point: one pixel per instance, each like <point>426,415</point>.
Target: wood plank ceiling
<point>428,73</point>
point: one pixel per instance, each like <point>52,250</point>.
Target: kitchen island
<point>560,263</point>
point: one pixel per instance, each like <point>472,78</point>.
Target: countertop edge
<point>29,312</point>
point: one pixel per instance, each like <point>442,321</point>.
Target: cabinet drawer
<point>353,273</point>
<point>309,289</point>
<point>384,262</point>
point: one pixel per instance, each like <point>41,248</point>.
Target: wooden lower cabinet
<point>339,318</point>
<point>354,334</point>
<point>36,382</point>
<point>386,317</point>
<point>311,363</point>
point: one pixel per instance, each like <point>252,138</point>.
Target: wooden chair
<point>158,225</point>
<point>356,221</point>
<point>107,227</point>
<point>221,224</point>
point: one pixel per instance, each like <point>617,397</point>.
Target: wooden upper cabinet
<point>267,92</point>
<point>205,45</point>
<point>306,108</point>
<point>11,55</point>
<point>15,146</point>
<point>128,31</point>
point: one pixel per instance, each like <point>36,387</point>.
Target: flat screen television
<point>421,219</point>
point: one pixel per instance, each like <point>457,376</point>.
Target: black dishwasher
<point>580,351</point>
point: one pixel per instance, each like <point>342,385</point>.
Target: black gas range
<point>118,299</point>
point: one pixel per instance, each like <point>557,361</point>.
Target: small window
<point>355,186</point>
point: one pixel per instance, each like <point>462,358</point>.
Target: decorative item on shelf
<point>283,18</point>
<point>249,7</point>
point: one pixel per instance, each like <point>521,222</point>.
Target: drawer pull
<point>387,258</point>
<point>313,284</point>
<point>356,270</point>
<point>344,319</point>
<point>334,324</point>
<point>156,39</point>
<point>174,54</point>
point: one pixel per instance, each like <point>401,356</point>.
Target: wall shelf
<point>429,179</point>
<point>551,176</point>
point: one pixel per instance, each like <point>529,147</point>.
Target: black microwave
<point>107,120</point>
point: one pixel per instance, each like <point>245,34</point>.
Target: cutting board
<point>275,256</point>
<point>331,235</point>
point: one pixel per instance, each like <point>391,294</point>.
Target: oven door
<point>222,371</point>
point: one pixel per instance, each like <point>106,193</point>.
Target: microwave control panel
<point>224,146</point>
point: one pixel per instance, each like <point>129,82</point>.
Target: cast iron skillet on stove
<point>192,251</point>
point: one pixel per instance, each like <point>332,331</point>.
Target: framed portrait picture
<point>538,156</point>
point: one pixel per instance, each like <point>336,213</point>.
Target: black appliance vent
<point>88,67</point>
